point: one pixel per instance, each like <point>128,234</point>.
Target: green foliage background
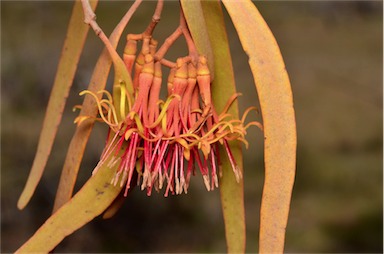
<point>333,53</point>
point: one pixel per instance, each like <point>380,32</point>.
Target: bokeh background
<point>334,56</point>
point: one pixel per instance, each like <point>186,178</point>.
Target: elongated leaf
<point>223,87</point>
<point>73,45</point>
<point>114,207</point>
<point>273,86</point>
<point>122,78</point>
<point>89,108</point>
<point>196,23</point>
<point>209,13</point>
<point>93,198</point>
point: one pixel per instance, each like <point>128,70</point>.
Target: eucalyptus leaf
<point>275,95</point>
<point>223,87</point>
<point>73,46</point>
<point>90,201</point>
<point>88,109</point>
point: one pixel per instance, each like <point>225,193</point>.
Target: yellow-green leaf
<point>91,200</point>
<point>89,108</point>
<point>114,207</point>
<point>122,78</point>
<point>275,95</point>
<point>196,23</point>
<point>206,23</point>
<point>223,87</point>
<point>73,45</point>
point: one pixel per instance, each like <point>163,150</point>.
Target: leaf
<point>89,108</point>
<point>114,207</point>
<point>197,27</point>
<point>209,14</point>
<point>92,199</point>
<point>275,95</point>
<point>223,87</point>
<point>70,55</point>
<point>122,78</point>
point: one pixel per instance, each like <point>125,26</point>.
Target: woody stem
<point>155,18</point>
<point>90,19</point>
<point>168,43</point>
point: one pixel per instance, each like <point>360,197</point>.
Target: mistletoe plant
<point>159,143</point>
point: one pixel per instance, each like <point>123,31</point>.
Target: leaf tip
<point>23,201</point>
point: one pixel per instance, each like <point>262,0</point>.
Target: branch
<point>168,43</point>
<point>155,18</point>
<point>90,17</point>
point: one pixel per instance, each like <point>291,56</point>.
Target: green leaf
<point>223,87</point>
<point>73,46</point>
<point>89,108</point>
<point>114,207</point>
<point>196,23</point>
<point>275,95</point>
<point>91,200</point>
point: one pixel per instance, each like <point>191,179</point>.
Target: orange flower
<point>166,141</point>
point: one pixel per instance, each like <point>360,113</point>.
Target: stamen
<point>235,168</point>
<point>159,135</point>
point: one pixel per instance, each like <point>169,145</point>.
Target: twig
<point>168,43</point>
<point>90,19</point>
<point>155,18</point>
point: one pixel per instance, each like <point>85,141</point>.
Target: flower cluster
<point>161,143</point>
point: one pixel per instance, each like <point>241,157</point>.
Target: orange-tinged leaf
<point>73,46</point>
<point>275,95</point>
<point>223,87</point>
<point>91,200</point>
<point>89,108</point>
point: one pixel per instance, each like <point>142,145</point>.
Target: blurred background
<point>334,56</point>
